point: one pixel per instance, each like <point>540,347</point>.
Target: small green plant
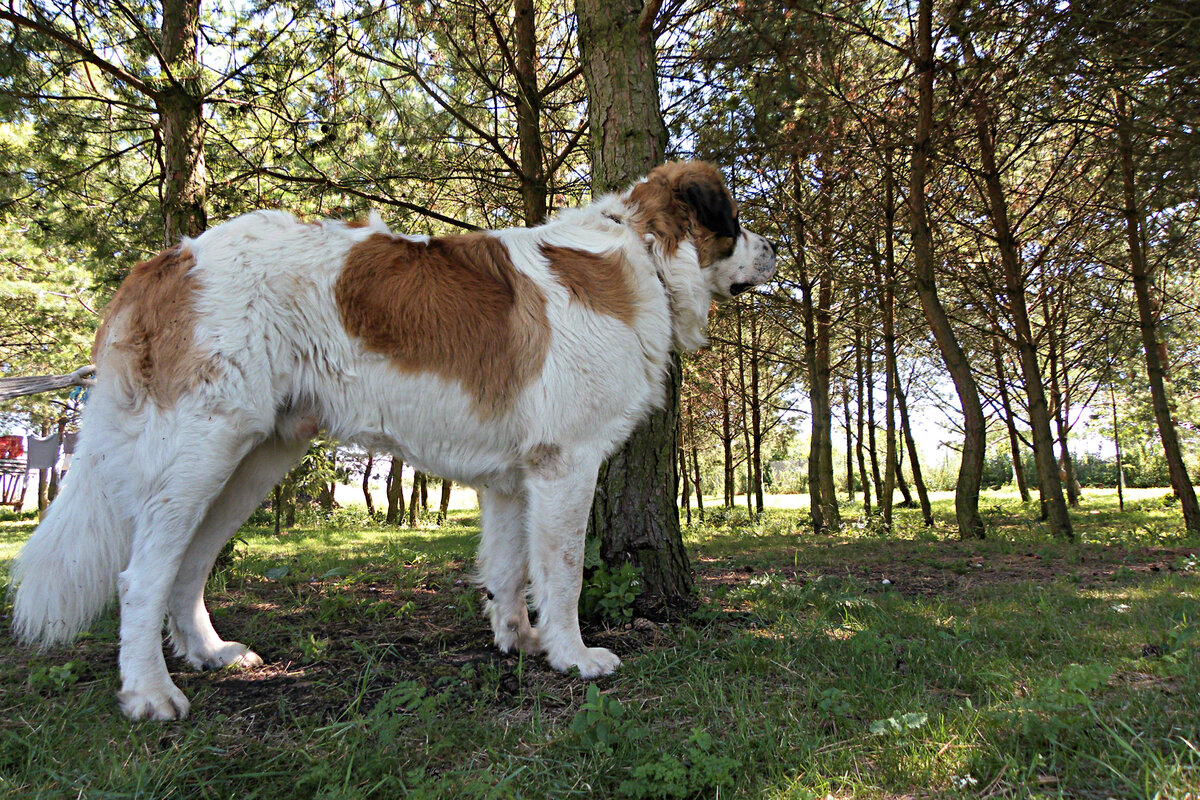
<point>699,772</point>
<point>312,647</point>
<point>600,722</point>
<point>897,725</point>
<point>54,679</point>
<point>834,702</point>
<point>610,594</point>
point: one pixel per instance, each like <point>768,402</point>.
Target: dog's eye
<point>725,246</point>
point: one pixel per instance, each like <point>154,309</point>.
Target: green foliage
<point>610,594</point>
<point>56,678</point>
<point>600,723</point>
<point>898,725</point>
<point>976,678</point>
<point>698,772</point>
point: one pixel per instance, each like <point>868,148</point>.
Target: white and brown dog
<point>514,361</point>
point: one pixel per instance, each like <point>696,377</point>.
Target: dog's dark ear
<point>713,206</point>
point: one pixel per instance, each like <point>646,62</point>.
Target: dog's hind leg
<point>503,569</point>
<point>560,496</point>
<point>180,479</point>
<point>191,629</point>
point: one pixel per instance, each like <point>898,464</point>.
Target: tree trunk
<point>914,460</point>
<point>444,501</point>
<point>698,484</point>
<point>1049,484</point>
<point>1010,422</point>
<point>686,487</point>
<point>756,433</point>
<point>1117,445</point>
<point>822,498</point>
<point>325,496</point>
<point>529,113</point>
<point>634,512</point>
<point>180,107</point>
<point>1148,310</point>
<point>872,448</point>
<point>824,367</point>
<point>744,394</point>
<point>395,492</point>
<point>970,473</point>
<point>43,491</point>
<point>858,379</point>
<point>414,500</point>
<point>366,484</point>
<point>727,440</point>
<point>616,45</point>
<point>849,443</point>
<point>888,311</point>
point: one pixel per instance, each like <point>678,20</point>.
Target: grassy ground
<point>851,665</point>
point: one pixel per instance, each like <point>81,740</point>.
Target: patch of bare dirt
<point>917,569</point>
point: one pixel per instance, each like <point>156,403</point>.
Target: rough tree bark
<point>970,473</point>
<point>366,484</point>
<point>1148,310</point>
<point>634,512</point>
<point>444,501</point>
<point>180,107</point>
<point>529,113</point>
<point>395,493</point>
<point>887,303</point>
<point>1050,489</point>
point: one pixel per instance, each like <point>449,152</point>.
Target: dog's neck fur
<point>688,302</point>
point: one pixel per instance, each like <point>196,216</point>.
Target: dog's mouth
<point>738,288</point>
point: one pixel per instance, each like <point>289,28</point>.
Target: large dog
<point>514,361</point>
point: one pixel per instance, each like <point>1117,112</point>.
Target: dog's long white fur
<point>154,492</point>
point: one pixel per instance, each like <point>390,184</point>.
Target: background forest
<point>988,223</point>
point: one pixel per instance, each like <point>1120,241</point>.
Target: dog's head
<point>688,203</point>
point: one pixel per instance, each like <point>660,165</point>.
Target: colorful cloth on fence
<point>43,453</point>
<point>70,442</point>
<point>12,446</point>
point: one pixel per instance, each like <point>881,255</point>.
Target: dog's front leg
<point>560,487</point>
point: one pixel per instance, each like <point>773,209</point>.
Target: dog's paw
<point>227,654</point>
<point>157,703</point>
<point>592,662</point>
<point>510,641</point>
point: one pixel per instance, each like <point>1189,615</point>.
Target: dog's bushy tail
<point>66,574</point>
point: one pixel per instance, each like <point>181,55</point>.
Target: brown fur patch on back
<point>147,337</point>
<point>454,306</point>
<point>662,210</point>
<point>600,281</point>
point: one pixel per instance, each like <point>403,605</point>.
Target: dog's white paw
<point>227,654</point>
<point>162,703</point>
<point>510,641</point>
<point>592,662</point>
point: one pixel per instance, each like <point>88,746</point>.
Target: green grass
<point>1019,666</point>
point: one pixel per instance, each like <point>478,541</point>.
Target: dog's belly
<point>429,422</point>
